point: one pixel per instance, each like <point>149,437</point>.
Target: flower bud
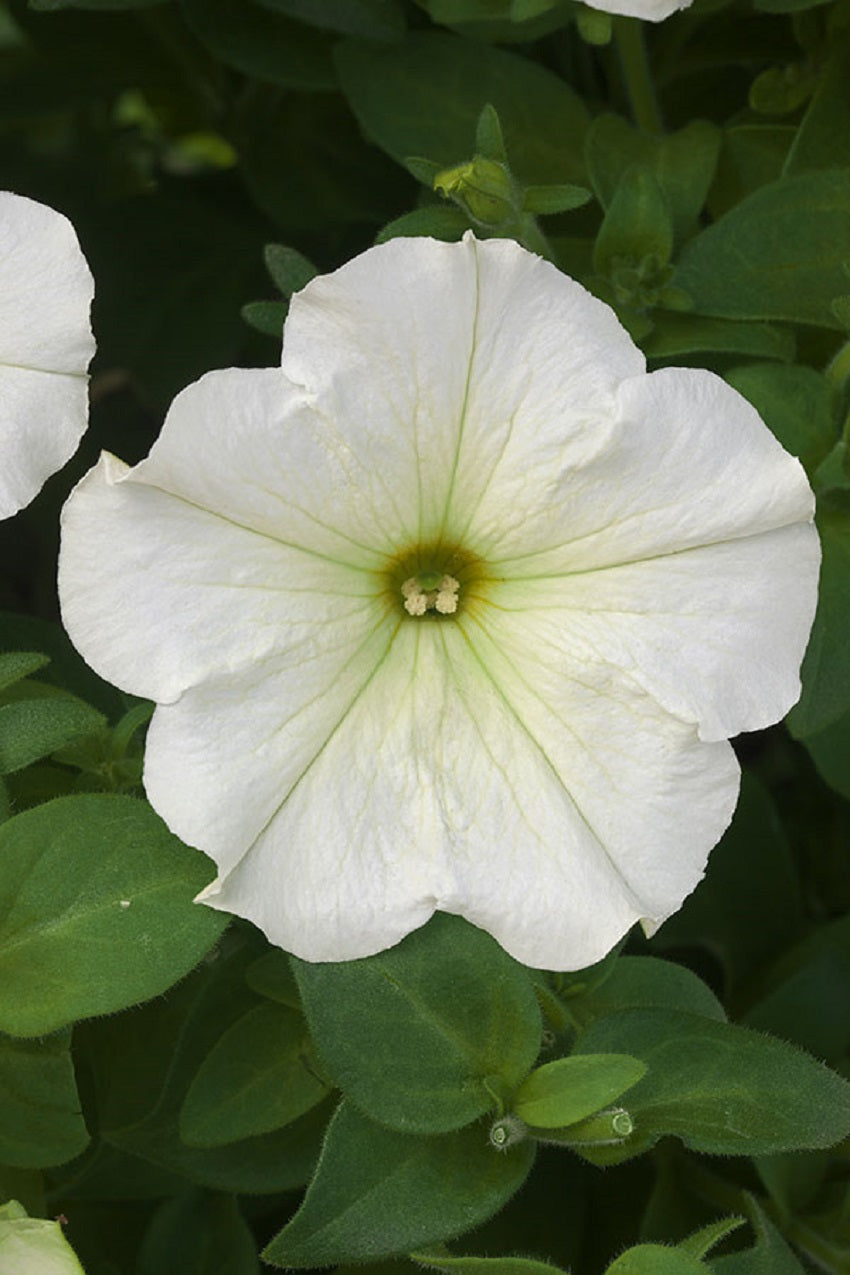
<point>606,1128</point>
<point>506,1132</point>
<point>483,187</point>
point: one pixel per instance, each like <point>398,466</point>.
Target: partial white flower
<point>647,10</point>
<point>33,1245</point>
<point>46,344</point>
<point>457,610</point>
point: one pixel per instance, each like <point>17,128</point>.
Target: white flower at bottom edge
<point>627,570</point>
<point>647,10</point>
<point>46,344</point>
<point>33,1245</point>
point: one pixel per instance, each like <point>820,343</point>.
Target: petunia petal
<point>450,363</point>
<point>647,10</point>
<point>446,755</point>
<point>42,419</point>
<point>46,343</point>
<point>684,461</point>
<point>688,627</point>
<point>218,600</point>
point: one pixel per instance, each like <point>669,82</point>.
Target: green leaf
<point>42,1124</point>
<point>456,1014</point>
<point>271,976</point>
<point>776,255</point>
<point>682,163</point>
<point>35,728</point>
<point>266,316</point>
<point>501,21</point>
<point>344,182</point>
<point>645,981</point>
<point>720,1088</point>
<point>841,309</point>
<point>290,270</point>
<point>371,19</point>
<point>829,749</point>
<point>489,139</point>
<point>259,43</point>
<point>781,90</point>
<point>97,913</point>
<point>424,97</point>
<point>569,1089</point>
<point>701,1242</point>
<point>543,200</point>
<point>16,665</point>
<point>795,997</point>
<point>66,669</point>
<point>787,6</point>
<point>656,1259</point>
<point>795,404</point>
<point>674,335</point>
<point>377,1192</point>
<point>257,1077</point>
<point>751,155</point>
<point>59,6</point>
<point>484,1265</point>
<point>138,1107</point>
<point>826,666</point>
<point>823,138</point>
<point>199,1234</point>
<point>440,222</point>
<point>770,1256</point>
<point>637,223</point>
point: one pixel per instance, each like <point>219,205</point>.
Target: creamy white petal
<point>247,444</point>
<point>46,289</point>
<point>160,595</point>
<point>43,416</point>
<point>552,814</point>
<point>460,373</point>
<point>685,461</point>
<point>46,343</point>
<point>224,757</point>
<point>647,10</point>
<point>715,634</point>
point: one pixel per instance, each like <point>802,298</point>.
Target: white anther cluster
<point>418,600</point>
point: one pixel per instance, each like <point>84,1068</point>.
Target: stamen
<point>429,591</point>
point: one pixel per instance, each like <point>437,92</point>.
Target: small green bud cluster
<point>490,195</point>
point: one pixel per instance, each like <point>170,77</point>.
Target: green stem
<point>634,65</point>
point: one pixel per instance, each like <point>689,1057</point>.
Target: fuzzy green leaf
<point>456,1014</point>
<point>377,1192</point>
<point>256,1078</point>
<point>720,1088</point>
<point>96,911</point>
<point>569,1089</point>
<point>42,1124</point>
<point>33,728</point>
<point>776,255</point>
<point>16,665</point>
<point>424,97</point>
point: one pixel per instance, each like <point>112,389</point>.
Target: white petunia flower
<point>457,610</point>
<point>647,10</point>
<point>46,344</point>
<point>33,1245</point>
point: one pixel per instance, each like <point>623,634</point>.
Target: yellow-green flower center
<point>432,581</point>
